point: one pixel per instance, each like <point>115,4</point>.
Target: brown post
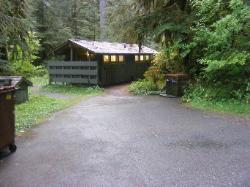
<point>71,53</point>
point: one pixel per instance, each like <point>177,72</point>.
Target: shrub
<point>217,92</point>
<point>223,43</point>
<point>143,87</point>
<point>25,69</point>
<point>166,61</point>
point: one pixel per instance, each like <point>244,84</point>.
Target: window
<point>113,58</point>
<point>136,58</point>
<point>147,57</point>
<point>106,58</point>
<point>141,57</point>
<point>121,58</point>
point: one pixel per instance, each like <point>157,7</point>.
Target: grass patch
<point>40,106</point>
<point>40,81</point>
<point>37,109</point>
<point>72,90</point>
<point>217,99</point>
<point>226,106</point>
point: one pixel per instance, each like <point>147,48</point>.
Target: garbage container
<point>176,84</point>
<point>7,118</point>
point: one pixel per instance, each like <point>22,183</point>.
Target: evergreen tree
<point>51,29</point>
<point>84,19</point>
<point>122,21</point>
<point>103,22</point>
<point>60,20</point>
<point>14,26</point>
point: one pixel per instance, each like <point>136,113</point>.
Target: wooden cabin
<point>98,63</point>
<point>21,87</point>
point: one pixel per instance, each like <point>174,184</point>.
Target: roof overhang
<point>97,47</point>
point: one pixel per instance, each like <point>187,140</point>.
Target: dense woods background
<point>209,39</point>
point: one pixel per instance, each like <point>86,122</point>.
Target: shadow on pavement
<point>4,154</point>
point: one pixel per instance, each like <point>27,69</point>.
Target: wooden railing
<point>75,72</point>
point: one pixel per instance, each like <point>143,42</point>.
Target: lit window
<point>136,58</point>
<point>105,58</point>
<point>113,58</point>
<point>141,57</point>
<point>121,58</point>
<point>147,57</point>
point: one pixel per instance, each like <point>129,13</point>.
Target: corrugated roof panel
<point>112,48</point>
<point>16,80</point>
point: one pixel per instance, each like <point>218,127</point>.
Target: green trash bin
<point>7,118</point>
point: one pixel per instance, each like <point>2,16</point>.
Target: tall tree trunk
<point>103,4</point>
<point>74,19</point>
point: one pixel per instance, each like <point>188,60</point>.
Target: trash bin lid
<point>5,81</point>
<point>6,89</point>
<point>178,76</point>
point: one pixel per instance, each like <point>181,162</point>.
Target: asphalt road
<point>120,140</point>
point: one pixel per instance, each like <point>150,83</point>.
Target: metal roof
<point>112,48</point>
<point>16,81</point>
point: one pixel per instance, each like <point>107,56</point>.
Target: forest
<point>207,39</point>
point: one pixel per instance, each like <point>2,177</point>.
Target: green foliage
<point>156,76</point>
<point>21,61</point>
<point>222,35</point>
<point>41,80</point>
<point>59,20</point>
<point>143,87</point>
<point>166,61</point>
<point>217,97</point>
<point>202,99</point>
<point>223,106</point>
<point>169,21</point>
<point>25,69</point>
<point>226,39</point>
<point>208,39</point>
<point>169,60</point>
<point>122,21</point>
<point>14,26</point>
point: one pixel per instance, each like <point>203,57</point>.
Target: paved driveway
<point>121,140</point>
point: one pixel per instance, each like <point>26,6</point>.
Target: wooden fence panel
<point>73,72</point>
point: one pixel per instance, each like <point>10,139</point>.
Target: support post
<point>71,53</point>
